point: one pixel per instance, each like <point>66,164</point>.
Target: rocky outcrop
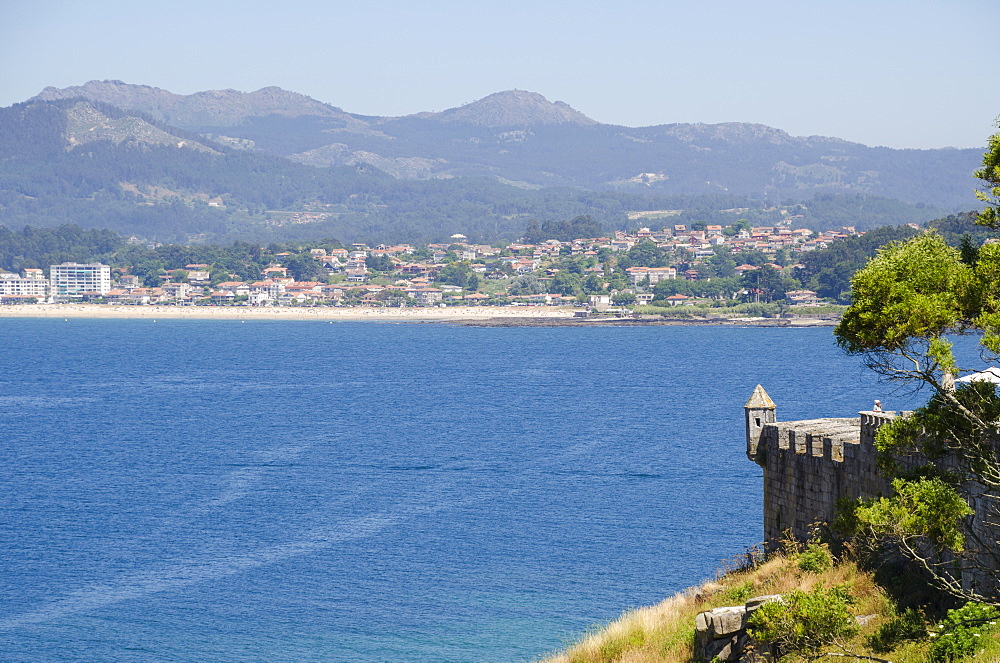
<point>86,124</point>
<point>211,108</point>
<point>514,108</point>
<point>721,634</point>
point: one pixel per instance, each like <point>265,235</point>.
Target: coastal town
<point>678,265</point>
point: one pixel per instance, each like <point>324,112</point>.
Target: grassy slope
<point>664,633</point>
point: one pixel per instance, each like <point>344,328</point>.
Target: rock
<point>758,601</point>
<point>726,621</point>
<point>864,620</point>
<point>724,649</point>
<point>720,634</point>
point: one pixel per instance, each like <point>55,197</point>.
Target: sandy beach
<point>450,314</point>
<point>479,316</point>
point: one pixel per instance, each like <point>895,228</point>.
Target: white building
<point>32,284</point>
<point>425,296</point>
<point>72,279</point>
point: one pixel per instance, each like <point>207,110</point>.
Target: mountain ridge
<point>507,108</point>
<point>510,108</point>
<point>200,109</point>
<point>482,169</point>
<point>520,136</point>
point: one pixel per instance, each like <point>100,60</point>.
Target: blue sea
<point>304,491</point>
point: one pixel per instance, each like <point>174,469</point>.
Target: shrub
<point>804,623</point>
<point>960,633</point>
<point>816,558</point>
<point>907,626</point>
<point>739,593</point>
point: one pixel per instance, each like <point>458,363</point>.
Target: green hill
<point>521,136</point>
<point>67,159</point>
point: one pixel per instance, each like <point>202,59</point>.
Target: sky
<point>899,73</point>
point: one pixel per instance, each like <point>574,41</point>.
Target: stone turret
<point>759,410</point>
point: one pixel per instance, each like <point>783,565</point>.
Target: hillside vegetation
<point>274,165</point>
<point>523,137</point>
<point>97,166</point>
<point>893,618</point>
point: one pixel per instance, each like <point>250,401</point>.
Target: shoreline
<point>650,321</point>
<point>331,313</point>
<point>472,316</point>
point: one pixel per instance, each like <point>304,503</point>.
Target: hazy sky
<point>902,73</point>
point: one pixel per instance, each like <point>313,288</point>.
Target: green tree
<point>302,267</point>
<point>593,284</point>
<point>989,192</point>
<point>704,271</point>
<point>565,283</point>
<point>646,254</point>
<point>764,284</point>
<point>574,266</point>
<point>959,634</point>
<point>907,300</point>
<point>618,281</point>
<point>580,227</point>
<point>668,287</point>
<point>828,271</point>
<point>910,297</point>
<point>722,263</point>
<point>533,233</point>
<point>460,274</point>
<point>524,285</point>
<point>379,263</point>
<point>754,257</point>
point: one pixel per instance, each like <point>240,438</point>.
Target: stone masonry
<point>810,465</point>
<point>721,634</point>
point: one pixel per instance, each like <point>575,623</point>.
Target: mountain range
<point>497,158</point>
<point>522,137</point>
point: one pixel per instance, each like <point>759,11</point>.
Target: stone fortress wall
<point>810,465</point>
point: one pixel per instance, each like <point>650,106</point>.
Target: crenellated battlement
<point>810,465</point>
<point>837,440</point>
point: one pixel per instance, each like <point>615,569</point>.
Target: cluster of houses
<point>405,279</point>
<point>528,258</point>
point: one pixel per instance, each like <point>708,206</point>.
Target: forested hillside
<point>96,165</point>
<point>828,271</point>
<point>521,136</point>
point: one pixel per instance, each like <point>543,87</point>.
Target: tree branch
<point>859,657</point>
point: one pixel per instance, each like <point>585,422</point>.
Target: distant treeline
<point>41,247</point>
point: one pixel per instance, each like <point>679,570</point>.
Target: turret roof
<point>759,399</point>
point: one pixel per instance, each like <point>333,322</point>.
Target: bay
<point>304,491</point>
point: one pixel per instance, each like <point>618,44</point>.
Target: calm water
<point>304,491</point>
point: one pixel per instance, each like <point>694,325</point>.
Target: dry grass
<point>641,635</point>
<point>664,633</point>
